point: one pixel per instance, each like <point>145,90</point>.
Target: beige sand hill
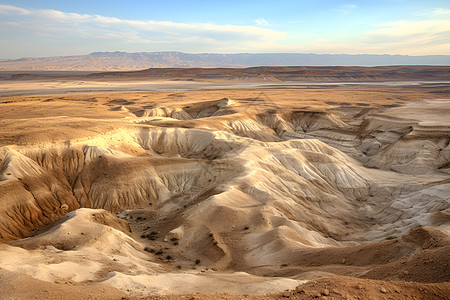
<point>255,193</point>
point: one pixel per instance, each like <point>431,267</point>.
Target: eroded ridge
<point>230,185</point>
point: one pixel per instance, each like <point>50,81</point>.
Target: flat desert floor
<point>224,190</point>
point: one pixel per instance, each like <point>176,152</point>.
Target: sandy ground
<point>182,79</point>
<point>44,87</point>
<point>67,86</point>
<point>332,191</point>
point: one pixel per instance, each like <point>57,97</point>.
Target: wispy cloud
<point>441,12</point>
<point>345,9</point>
<point>424,37</point>
<point>10,9</point>
<point>261,22</point>
<point>410,32</point>
<point>171,35</point>
<point>47,32</point>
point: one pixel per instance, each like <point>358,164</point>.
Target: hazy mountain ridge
<point>119,61</point>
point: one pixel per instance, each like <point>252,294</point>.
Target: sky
<point>30,28</point>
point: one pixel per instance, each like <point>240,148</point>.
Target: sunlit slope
<point>262,189</point>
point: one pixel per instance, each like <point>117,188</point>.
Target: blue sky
<point>51,28</point>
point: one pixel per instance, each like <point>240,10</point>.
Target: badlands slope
<point>332,190</point>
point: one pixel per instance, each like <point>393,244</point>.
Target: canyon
<point>260,190</point>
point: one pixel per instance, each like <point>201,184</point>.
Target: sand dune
<point>174,193</point>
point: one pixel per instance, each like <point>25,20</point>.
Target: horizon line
<point>217,53</point>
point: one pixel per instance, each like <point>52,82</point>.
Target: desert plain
<point>228,184</point>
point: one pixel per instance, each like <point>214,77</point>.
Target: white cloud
<point>346,9</point>
<point>425,37</point>
<point>441,12</point>
<point>409,32</point>
<point>261,22</point>
<point>61,25</point>
<point>10,9</point>
<point>52,32</point>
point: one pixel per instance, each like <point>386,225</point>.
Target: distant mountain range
<point>122,61</point>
